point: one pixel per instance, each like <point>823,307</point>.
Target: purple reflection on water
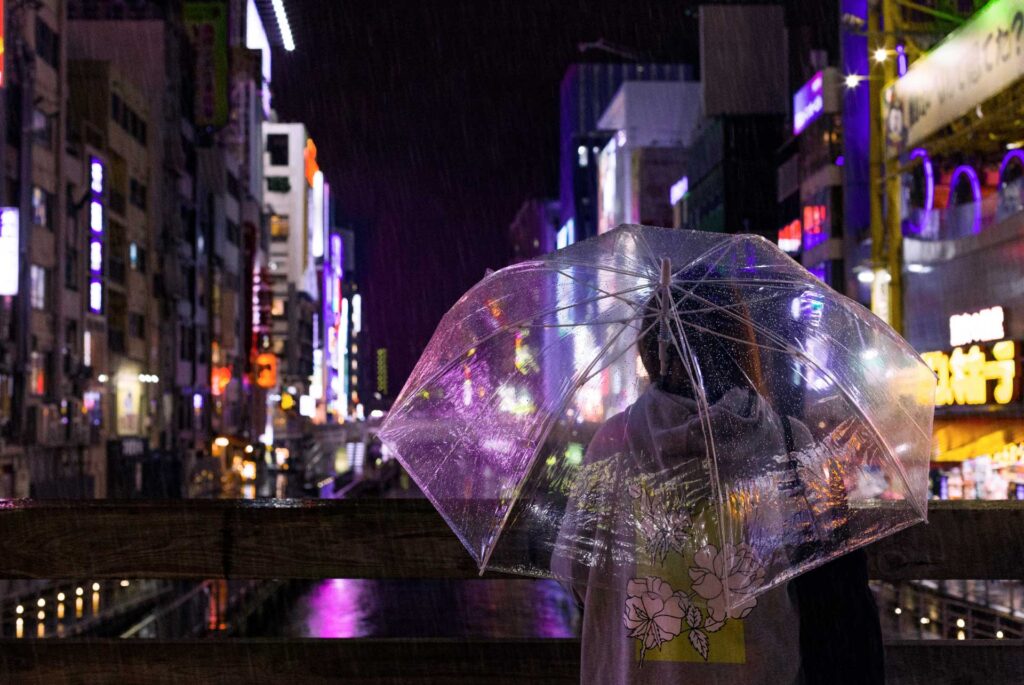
<point>392,608</point>
<point>337,608</point>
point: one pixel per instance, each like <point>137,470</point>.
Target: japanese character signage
<point>978,375</point>
<point>977,61</point>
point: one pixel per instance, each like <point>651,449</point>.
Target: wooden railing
<point>315,539</point>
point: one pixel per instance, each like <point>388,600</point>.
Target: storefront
<point>951,124</point>
<point>979,424</point>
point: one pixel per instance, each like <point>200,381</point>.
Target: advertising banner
<point>10,259</point>
<point>129,405</point>
<point>974,63</point>
<point>207,24</point>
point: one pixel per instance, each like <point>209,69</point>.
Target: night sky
<point>435,120</point>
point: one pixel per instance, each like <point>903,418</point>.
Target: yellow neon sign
<point>963,376</point>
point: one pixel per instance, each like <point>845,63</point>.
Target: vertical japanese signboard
<point>208,28</point>
<point>3,52</point>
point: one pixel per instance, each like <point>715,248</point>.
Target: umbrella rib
<point>502,329</point>
<point>846,394</point>
<point>560,261</point>
<point>800,354</point>
<point>693,371</point>
<point>545,430</point>
<point>592,286</point>
<point>642,333</point>
<point>792,349</point>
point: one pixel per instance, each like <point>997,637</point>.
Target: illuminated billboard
<point>808,103</point>
<point>974,63</point>
<point>10,261</point>
<point>207,24</point>
<point>97,226</point>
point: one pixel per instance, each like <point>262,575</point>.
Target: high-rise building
<point>296,239</point>
<point>744,95</point>
<point>534,230</point>
<point>44,452</point>
<point>109,119</point>
<point>585,93</point>
<point>652,124</point>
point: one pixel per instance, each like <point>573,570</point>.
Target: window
<point>37,373</point>
<point>127,118</point>
<point>137,325</point>
<point>278,184</point>
<point>277,307</point>
<point>137,194</point>
<point>187,348</point>
<point>42,129</point>
<point>42,207</point>
<point>233,187</point>
<point>47,43</point>
<point>277,146</point>
<point>278,227</point>
<point>71,268</point>
<point>137,258</point>
<point>115,267</point>
<point>71,333</point>
<point>233,233</point>
<point>37,289</point>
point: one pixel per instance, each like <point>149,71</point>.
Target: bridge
<point>382,538</point>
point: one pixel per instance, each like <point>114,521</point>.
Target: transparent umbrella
<point>665,402</point>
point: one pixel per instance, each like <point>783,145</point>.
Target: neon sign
<point>10,261</point>
<point>981,326</point>
<point>808,103</point>
<point>964,376</point>
<point>815,225</point>
<point>791,236</point>
<point>679,190</point>
<point>318,213</point>
<point>97,177</point>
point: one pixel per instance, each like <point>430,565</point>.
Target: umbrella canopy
<point>657,397</point>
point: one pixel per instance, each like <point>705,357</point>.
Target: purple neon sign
<point>1010,156</point>
<point>972,178</point>
<point>929,177</point>
<point>808,103</point>
<point>96,224</point>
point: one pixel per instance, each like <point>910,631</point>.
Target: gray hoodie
<point>662,618</point>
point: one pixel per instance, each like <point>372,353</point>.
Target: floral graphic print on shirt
<point>656,612</point>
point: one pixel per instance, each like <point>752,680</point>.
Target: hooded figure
<point>662,616</point>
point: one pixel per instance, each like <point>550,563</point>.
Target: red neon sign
<point>791,236</point>
<point>815,225</point>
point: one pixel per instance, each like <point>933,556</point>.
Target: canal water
<point>493,608</point>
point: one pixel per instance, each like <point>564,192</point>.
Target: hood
<point>664,429</point>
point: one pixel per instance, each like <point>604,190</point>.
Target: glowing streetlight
<point>853,80</point>
<point>881,54</point>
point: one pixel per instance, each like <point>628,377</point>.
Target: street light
<point>881,54</point>
<point>853,80</point>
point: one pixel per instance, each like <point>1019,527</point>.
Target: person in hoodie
<point>662,616</point>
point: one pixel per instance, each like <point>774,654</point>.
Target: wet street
<point>397,608</point>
